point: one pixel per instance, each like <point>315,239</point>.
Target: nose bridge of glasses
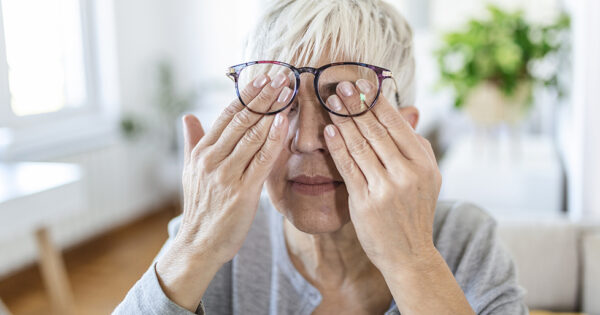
<point>307,70</point>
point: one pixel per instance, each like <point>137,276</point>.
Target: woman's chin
<point>315,223</point>
<point>326,213</point>
<point>310,210</point>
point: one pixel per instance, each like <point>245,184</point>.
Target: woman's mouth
<point>313,186</point>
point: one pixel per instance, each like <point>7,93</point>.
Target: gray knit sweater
<point>261,279</point>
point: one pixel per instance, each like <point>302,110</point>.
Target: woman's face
<point>305,185</point>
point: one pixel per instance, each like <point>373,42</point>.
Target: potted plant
<point>494,64</point>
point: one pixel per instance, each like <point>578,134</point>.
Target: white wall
<point>206,37</point>
<point>140,43</point>
<point>581,126</point>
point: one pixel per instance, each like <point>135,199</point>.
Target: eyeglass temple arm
<point>388,75</point>
<point>396,93</point>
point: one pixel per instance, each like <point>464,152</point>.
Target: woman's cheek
<point>277,177</point>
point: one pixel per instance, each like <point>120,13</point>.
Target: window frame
<point>91,106</point>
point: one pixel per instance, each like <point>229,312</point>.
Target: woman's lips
<point>313,185</point>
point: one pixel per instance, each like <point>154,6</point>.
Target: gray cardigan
<point>262,280</point>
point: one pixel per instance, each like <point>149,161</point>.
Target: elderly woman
<point>350,222</point>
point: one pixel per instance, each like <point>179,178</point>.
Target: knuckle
<point>425,142</point>
<point>275,136</point>
<point>220,176</point>
<point>394,121</point>
<point>374,130</point>
<point>385,192</point>
<point>202,160</point>
<point>337,146</point>
<point>434,173</point>
<point>247,94</point>
<point>233,108</point>
<point>429,174</point>
<point>344,121</point>
<point>195,152</point>
<point>263,157</point>
<point>266,96</point>
<point>242,119</point>
<point>206,164</point>
<point>253,135</point>
<point>359,146</point>
<point>410,177</point>
<point>347,166</point>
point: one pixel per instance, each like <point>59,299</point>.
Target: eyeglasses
<point>326,79</point>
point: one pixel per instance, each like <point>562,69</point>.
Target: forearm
<point>427,288</point>
<point>184,276</point>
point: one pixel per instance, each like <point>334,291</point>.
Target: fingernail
<point>346,89</point>
<point>278,80</point>
<point>363,85</point>
<point>335,103</point>
<point>278,120</point>
<point>260,81</point>
<point>330,131</point>
<point>283,96</point>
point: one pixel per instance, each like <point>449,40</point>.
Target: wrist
<point>182,261</point>
<point>423,262</point>
<point>184,275</point>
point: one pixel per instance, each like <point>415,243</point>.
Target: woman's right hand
<point>223,175</point>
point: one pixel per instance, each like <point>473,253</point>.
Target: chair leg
<point>3,309</point>
<point>54,274</point>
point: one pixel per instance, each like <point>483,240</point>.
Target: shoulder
<point>465,235</point>
<point>460,218</point>
<point>461,210</point>
<point>462,228</point>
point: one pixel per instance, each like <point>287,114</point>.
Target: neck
<point>328,260</point>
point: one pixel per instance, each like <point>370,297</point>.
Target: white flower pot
<point>489,107</point>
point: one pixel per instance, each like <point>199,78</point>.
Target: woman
<point>350,223</point>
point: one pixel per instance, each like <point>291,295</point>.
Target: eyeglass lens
<point>327,83</point>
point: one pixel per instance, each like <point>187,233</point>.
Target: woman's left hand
<point>392,179</point>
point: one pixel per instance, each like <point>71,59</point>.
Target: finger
<point>249,92</point>
<point>262,162</point>
<point>192,133</point>
<point>255,136</point>
<point>357,145</point>
<point>245,119</point>
<point>353,177</point>
<point>368,125</point>
<point>399,129</point>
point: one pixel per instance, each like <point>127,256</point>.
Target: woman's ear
<point>411,114</point>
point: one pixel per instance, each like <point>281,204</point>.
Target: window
<point>45,58</point>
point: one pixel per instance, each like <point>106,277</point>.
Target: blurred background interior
<point>91,95</point>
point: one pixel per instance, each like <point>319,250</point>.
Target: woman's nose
<point>312,119</point>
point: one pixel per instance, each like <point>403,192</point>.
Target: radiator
<point>121,181</point>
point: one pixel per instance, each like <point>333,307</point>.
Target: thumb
<point>192,133</point>
<point>411,114</point>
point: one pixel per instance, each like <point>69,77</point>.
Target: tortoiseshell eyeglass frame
<point>233,73</point>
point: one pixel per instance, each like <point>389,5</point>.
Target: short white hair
<point>301,32</point>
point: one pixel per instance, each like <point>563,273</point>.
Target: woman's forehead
<point>316,56</point>
<point>320,60</point>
